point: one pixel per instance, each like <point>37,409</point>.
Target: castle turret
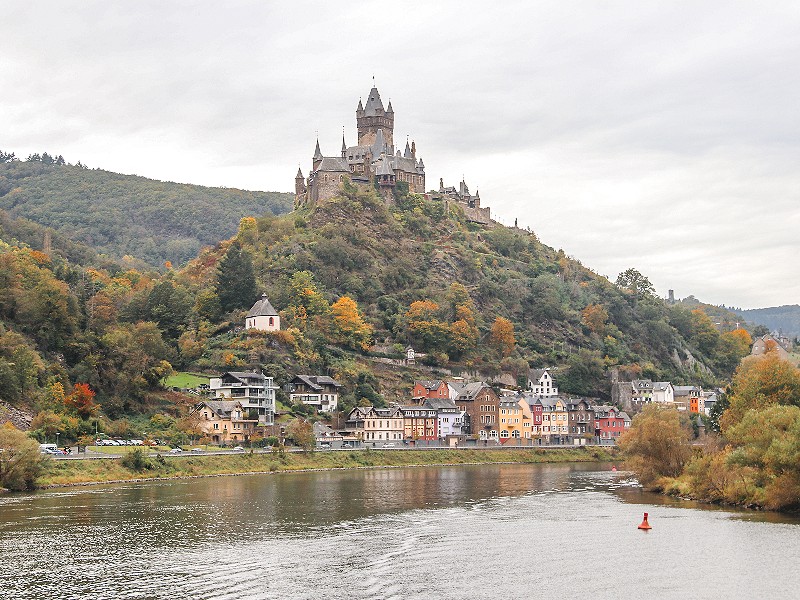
<point>317,156</point>
<point>344,146</point>
<point>407,153</point>
<point>372,117</point>
<point>413,148</point>
<point>299,183</point>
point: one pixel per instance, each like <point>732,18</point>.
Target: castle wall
<point>326,185</point>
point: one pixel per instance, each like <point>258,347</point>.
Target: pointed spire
<point>389,108</point>
<point>360,106</point>
<point>344,145</point>
<point>299,173</point>
<point>317,152</point>
<point>407,152</point>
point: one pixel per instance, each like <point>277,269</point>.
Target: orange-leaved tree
<point>349,327</point>
<point>502,336</point>
<point>81,400</point>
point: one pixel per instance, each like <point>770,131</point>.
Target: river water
<point>492,531</point>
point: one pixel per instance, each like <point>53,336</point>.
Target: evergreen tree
<point>236,279</point>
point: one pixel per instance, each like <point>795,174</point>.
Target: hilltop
<point>127,215</point>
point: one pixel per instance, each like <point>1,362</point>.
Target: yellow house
<point>511,426</point>
<point>555,421</point>
<point>225,421</point>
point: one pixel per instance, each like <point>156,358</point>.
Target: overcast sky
<point>663,136</point>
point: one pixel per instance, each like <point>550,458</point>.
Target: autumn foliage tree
<point>502,337</point>
<point>81,400</point>
<point>349,327</point>
<point>595,317</point>
<point>657,445</point>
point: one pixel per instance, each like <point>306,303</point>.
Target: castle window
<point>341,178</point>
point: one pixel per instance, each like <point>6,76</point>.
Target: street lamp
<point>58,433</point>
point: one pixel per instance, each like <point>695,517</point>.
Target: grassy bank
<point>72,472</point>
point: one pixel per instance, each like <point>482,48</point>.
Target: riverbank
<point>87,472</point>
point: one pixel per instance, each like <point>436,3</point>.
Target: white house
<point>263,317</point>
<point>663,393</point>
<point>254,390</point>
<point>318,391</point>
<point>541,383</point>
<point>450,418</point>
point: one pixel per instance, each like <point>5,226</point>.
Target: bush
<point>136,460</point>
<point>21,463</point>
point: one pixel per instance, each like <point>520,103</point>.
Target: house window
<point>271,321</point>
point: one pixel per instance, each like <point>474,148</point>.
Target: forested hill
<point>118,215</point>
<point>785,319</point>
<point>427,277</point>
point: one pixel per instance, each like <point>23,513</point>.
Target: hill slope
<point>785,319</point>
<point>119,215</point>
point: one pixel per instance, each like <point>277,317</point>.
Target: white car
<point>176,451</point>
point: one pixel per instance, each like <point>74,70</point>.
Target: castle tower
<point>372,117</point>
<point>317,156</point>
<point>299,183</point>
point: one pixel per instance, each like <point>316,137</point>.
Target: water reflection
<point>382,533</point>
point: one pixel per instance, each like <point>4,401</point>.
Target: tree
<point>760,382</point>
<point>349,327</point>
<point>633,281</point>
<point>81,400</point>
<point>302,433</point>
<point>501,337</point>
<point>424,325</point>
<point>236,279</point>
<point>21,463</point>
<point>595,317</point>
<point>657,445</point>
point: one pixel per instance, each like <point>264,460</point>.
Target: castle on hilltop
<point>374,160</point>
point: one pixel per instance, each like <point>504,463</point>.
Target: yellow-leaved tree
<point>502,336</point>
<point>349,327</point>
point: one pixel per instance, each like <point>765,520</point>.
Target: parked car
<point>347,445</point>
<point>324,446</point>
<point>238,449</point>
<point>197,450</point>
<point>176,451</point>
<point>390,445</point>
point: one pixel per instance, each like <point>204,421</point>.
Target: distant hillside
<point>119,215</point>
<point>783,318</point>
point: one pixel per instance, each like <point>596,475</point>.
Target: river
<point>492,531</point>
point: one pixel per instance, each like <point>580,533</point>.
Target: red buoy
<point>613,468</point>
<point>645,525</point>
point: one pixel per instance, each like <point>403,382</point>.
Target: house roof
<point>470,390</point>
<point>262,308</point>
<point>439,403</point>
<point>536,374</point>
<point>241,375</point>
<point>221,408</point>
<point>315,382</point>
<point>432,384</point>
<point>661,386</point>
<point>685,390</point>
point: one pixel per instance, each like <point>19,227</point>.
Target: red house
<point>429,389</point>
<point>609,423</point>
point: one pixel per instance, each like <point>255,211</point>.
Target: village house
<point>555,420</point>
<point>482,405</point>
<point>770,342</point>
<point>581,421</point>
<point>430,389</point>
<point>641,392</point>
<point>609,423</point>
<point>512,420</point>
<point>689,398</point>
<point>263,317</point>
<point>318,391</point>
<point>225,421</point>
<point>255,391</point>
<point>541,383</point>
<point>450,420</point>
<point>420,423</point>
<point>376,426</point>
<point>663,393</point>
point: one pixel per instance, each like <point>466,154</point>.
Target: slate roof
<point>222,408</point>
<point>430,384</point>
<point>335,164</point>
<point>373,103</point>
<point>262,308</point>
<point>470,390</point>
<point>439,403</point>
<point>316,382</point>
<point>241,375</point>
